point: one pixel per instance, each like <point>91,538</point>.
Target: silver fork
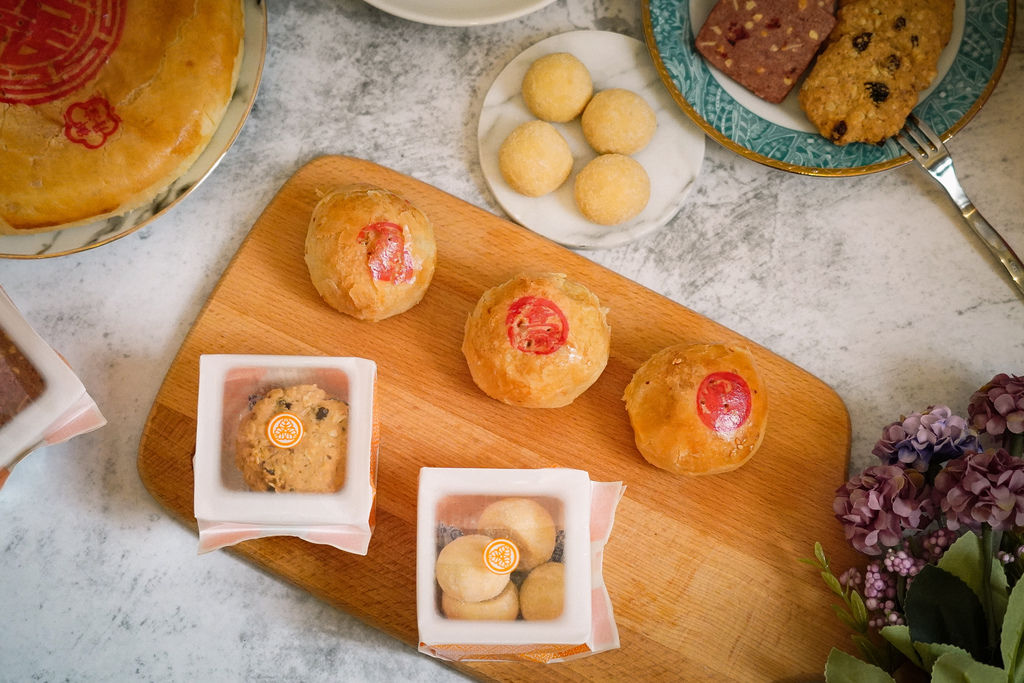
<point>926,148</point>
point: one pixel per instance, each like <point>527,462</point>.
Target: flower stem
<point>988,545</point>
<point>1016,445</point>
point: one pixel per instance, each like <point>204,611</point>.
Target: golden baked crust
<point>461,573</point>
<point>123,134</point>
<point>542,595</point>
<point>534,159</point>
<point>611,189</point>
<point>557,87</point>
<point>689,410</point>
<point>536,341</point>
<point>503,607</point>
<point>618,121</point>
<point>527,523</point>
<point>370,253</point>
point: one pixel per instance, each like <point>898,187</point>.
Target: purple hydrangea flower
<point>879,504</point>
<point>982,488</point>
<point>915,441</point>
<point>998,407</point>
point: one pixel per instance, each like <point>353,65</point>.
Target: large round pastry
<point>697,408</point>
<point>105,103</point>
<point>536,341</point>
<point>370,252</point>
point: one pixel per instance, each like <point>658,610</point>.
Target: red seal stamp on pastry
<point>723,402</point>
<point>387,255</point>
<point>90,123</point>
<point>501,556</point>
<point>536,325</point>
<point>284,430</point>
<point>51,48</point>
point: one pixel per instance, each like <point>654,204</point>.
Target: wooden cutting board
<point>703,572</point>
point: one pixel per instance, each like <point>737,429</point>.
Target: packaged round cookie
<point>508,564</point>
<point>286,445</point>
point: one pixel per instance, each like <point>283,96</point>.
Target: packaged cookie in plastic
<point>508,564</point>
<point>286,446</point>
<point>42,400</point>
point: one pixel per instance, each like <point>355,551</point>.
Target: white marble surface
<point>870,283</point>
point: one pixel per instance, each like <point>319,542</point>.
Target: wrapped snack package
<point>508,564</point>
<point>286,446</point>
<point>42,401</point>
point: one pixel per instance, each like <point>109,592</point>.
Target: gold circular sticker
<point>501,556</point>
<point>284,430</point>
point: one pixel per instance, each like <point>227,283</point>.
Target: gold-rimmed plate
<point>100,232</point>
<point>779,135</point>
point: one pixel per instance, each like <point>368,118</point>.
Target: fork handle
<point>984,230</point>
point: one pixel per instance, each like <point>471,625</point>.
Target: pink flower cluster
<point>982,488</point>
<point>876,506</point>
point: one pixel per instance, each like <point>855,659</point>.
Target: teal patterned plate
<point>779,135</point>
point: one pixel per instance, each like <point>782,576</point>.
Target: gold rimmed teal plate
<point>779,135</point>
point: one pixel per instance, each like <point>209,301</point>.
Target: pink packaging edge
<point>64,410</point>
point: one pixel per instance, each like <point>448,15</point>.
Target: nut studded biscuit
<point>919,29</point>
<point>765,45</point>
<point>858,92</point>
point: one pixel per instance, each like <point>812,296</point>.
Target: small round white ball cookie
<point>370,253</point>
<point>557,87</point>
<point>612,189</point>
<point>536,341</point>
<point>618,121</point>
<point>542,595</point>
<point>526,523</point>
<point>461,572</point>
<point>534,159</point>
<point>504,607</point>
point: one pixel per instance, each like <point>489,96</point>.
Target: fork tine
<point>919,140</point>
<point>921,126</point>
<point>910,145</point>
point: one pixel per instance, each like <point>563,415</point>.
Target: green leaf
<point>960,667</point>
<point>941,608</point>
<point>833,583</point>
<point>930,652</point>
<point>844,668</point>
<point>899,637</point>
<point>1012,639</point>
<point>845,617</point>
<point>819,553</point>
<point>963,559</point>
<point>858,610</point>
